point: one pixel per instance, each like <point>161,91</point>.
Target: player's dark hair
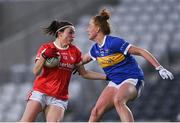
<point>102,21</point>
<point>56,26</point>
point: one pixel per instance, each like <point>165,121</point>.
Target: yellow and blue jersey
<point>114,59</point>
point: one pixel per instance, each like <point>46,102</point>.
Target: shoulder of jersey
<point>47,44</point>
<point>74,47</point>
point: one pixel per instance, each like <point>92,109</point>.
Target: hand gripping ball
<point>52,62</point>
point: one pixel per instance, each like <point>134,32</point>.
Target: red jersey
<point>55,81</point>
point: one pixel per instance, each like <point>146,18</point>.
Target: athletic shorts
<point>47,100</point>
<point>139,84</point>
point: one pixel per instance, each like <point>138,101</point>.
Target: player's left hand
<point>50,53</point>
<point>165,74</point>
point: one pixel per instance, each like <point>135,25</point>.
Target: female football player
<point>50,90</point>
<point>113,54</point>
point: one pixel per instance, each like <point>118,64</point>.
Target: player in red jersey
<point>50,89</point>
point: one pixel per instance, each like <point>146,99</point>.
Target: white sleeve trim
<point>94,59</point>
<point>126,50</point>
<point>40,55</point>
<point>37,58</point>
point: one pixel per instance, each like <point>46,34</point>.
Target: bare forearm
<point>38,66</point>
<point>150,58</point>
<point>93,75</point>
<point>144,53</point>
<point>86,58</point>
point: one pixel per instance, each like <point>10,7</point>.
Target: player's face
<point>68,35</point>
<point>92,30</point>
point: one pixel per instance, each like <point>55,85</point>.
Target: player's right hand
<point>50,53</point>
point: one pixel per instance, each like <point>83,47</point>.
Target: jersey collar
<point>103,42</point>
<point>60,47</point>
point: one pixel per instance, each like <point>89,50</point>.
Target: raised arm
<point>165,74</point>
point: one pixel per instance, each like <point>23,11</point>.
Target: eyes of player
<point>71,32</point>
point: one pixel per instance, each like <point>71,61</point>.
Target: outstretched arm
<point>85,59</point>
<point>90,74</point>
<point>165,74</point>
<point>144,53</point>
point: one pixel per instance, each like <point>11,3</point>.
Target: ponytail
<point>102,21</point>
<point>57,26</point>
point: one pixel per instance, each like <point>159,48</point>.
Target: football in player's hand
<point>52,62</point>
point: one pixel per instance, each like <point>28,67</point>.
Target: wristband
<point>107,78</point>
<point>159,67</point>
